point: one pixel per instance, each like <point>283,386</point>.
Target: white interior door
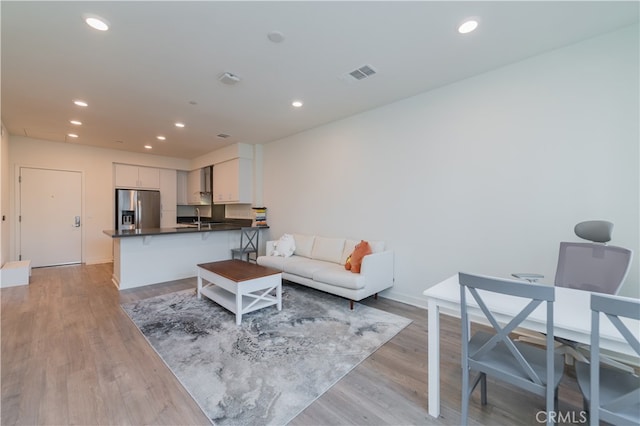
<point>50,216</point>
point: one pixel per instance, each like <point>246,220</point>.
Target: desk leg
<point>434,358</point>
<point>199,285</point>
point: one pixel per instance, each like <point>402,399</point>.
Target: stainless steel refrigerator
<point>137,209</point>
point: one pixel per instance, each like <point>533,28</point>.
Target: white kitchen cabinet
<point>195,185</point>
<point>168,198</point>
<point>233,182</point>
<point>181,196</point>
<point>127,176</point>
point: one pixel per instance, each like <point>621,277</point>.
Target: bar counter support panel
<point>140,260</point>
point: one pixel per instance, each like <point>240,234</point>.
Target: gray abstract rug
<point>272,366</point>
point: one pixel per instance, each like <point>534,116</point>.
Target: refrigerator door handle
<point>139,214</point>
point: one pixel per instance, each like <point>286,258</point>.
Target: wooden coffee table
<point>240,287</point>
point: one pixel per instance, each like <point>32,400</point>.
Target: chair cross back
<point>248,243</point>
<point>479,353</point>
<point>537,293</point>
<point>249,240</point>
<point>502,334</point>
<point>613,308</point>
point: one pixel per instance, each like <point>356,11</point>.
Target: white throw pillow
<point>284,247</point>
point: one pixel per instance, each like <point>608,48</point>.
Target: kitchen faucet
<point>198,214</point>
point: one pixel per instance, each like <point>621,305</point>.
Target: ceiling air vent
<point>362,72</point>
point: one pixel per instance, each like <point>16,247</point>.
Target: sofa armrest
<point>378,269</point>
<point>269,247</point>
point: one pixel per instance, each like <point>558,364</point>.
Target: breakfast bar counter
<point>155,255</point>
<point>212,227</point>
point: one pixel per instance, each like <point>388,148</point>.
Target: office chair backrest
<point>593,266</point>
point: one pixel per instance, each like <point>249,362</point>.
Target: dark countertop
<point>168,231</point>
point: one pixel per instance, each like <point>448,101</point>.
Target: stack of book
<point>260,216</point>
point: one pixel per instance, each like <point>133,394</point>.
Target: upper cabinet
<point>168,189</point>
<point>182,188</point>
<point>233,182</point>
<point>168,200</point>
<point>127,176</point>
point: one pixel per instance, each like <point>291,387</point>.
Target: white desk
<point>572,320</point>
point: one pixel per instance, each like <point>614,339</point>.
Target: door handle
<point>77,222</point>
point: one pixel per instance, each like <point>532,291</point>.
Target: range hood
<point>199,186</point>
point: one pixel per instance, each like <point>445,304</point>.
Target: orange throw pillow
<point>354,263</point>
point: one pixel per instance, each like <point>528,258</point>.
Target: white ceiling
<point>160,61</point>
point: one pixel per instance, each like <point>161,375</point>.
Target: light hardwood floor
<point>70,355</point>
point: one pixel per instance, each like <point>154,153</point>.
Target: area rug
<point>272,366</point>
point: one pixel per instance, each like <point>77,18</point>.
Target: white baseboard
<point>404,298</point>
<point>98,261</point>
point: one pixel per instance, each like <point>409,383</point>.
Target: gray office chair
<point>611,395</point>
<point>526,366</point>
<point>249,237</point>
<point>592,266</point>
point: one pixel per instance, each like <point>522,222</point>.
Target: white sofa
<point>318,262</point>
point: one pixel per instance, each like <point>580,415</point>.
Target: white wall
<point>486,175</point>
<point>96,165</point>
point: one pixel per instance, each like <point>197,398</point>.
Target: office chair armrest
<point>532,278</point>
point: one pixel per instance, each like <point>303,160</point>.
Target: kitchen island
<point>155,255</point>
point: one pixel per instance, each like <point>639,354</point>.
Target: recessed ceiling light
<point>179,124</point>
<point>161,138</point>
<point>148,147</point>
<point>96,22</point>
<point>72,135</point>
<point>297,104</point>
<point>80,103</point>
<point>75,122</point>
<point>468,26</point>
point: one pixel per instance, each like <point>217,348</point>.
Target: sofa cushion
<point>329,249</point>
<point>376,246</point>
<point>304,267</point>
<point>304,244</point>
<point>336,275</point>
<point>349,245</point>
<point>276,262</point>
